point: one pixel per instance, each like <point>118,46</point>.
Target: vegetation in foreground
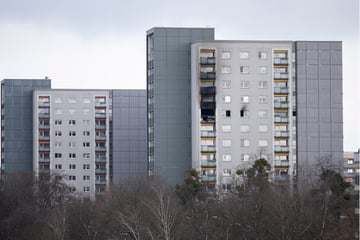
<point>33,209</point>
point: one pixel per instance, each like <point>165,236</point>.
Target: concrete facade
<point>168,99</point>
<point>17,123</point>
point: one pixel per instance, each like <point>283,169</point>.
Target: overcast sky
<point>101,43</point>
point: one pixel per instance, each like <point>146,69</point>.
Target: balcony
<point>44,149</point>
<point>210,134</point>
<point>44,126</point>
<point>207,75</point>
<point>207,105</point>
<point>281,61</point>
<point>100,159</point>
<point>281,119</point>
<point>100,149</point>
<point>207,90</point>
<point>281,90</point>
<point>208,163</point>
<point>208,148</point>
<point>281,149</point>
<point>100,104</point>
<point>281,134</point>
<point>281,75</point>
<point>207,60</point>
<point>44,137</point>
<point>281,105</point>
<point>44,159</point>
<point>100,137</point>
<point>44,115</point>
<point>100,115</point>
<point>208,178</point>
<point>100,171</point>
<point>278,164</point>
<point>100,182</point>
<point>100,126</point>
<point>44,104</point>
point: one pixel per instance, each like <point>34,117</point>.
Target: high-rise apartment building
<point>90,138</point>
<point>279,100</point>
<point>17,123</point>
<point>168,98</point>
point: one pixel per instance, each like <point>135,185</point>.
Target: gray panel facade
<point>128,135</point>
<point>17,123</point>
<point>169,100</point>
<point>319,105</point>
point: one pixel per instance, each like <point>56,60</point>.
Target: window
<point>262,113</point>
<point>86,189</point>
<point>72,155</point>
<point>263,143</point>
<point>86,155</point>
<point>58,111</point>
<point>262,99</point>
<point>58,133</point>
<point>244,142</point>
<point>226,128</point>
<point>226,69</point>
<point>86,133</point>
<point>227,113</point>
<point>245,157</point>
<point>226,84</point>
<point>58,122</point>
<point>86,144</point>
<point>226,55</point>
<point>72,100</point>
<point>226,99</point>
<point>244,128</point>
<point>226,157</point>
<point>244,84</point>
<point>72,166</point>
<point>263,84</point>
<point>72,111</point>
<point>72,122</point>
<point>58,166</point>
<point>72,144</point>
<point>263,128</point>
<point>244,99</point>
<point>244,69</point>
<point>226,143</point>
<point>86,122</point>
<point>86,166</point>
<point>244,113</point>
<point>58,100</point>
<point>244,55</point>
<point>86,100</point>
<point>72,178</point>
<point>86,110</point>
<point>58,155</point>
<point>57,144</point>
<point>86,178</point>
<point>263,70</point>
<point>72,133</point>
<point>227,172</point>
<point>262,55</point>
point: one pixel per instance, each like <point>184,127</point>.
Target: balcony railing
<point>281,105</point>
<point>281,75</point>
<point>100,159</point>
<point>208,105</point>
<point>208,134</point>
<point>208,178</point>
<point>100,182</point>
<point>281,90</point>
<point>100,126</point>
<point>281,134</point>
<point>100,104</point>
<point>44,137</point>
<point>282,178</point>
<point>206,163</point>
<point>100,171</point>
<point>44,159</point>
<point>208,148</point>
<point>44,115</point>
<point>281,120</point>
<point>100,149</point>
<point>207,90</point>
<point>281,61</point>
<point>281,163</point>
<point>44,149</point>
<point>44,104</point>
<point>44,170</point>
<point>100,115</point>
<point>281,149</point>
<point>207,75</point>
<point>207,60</point>
<point>100,137</point>
<point>44,126</point>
